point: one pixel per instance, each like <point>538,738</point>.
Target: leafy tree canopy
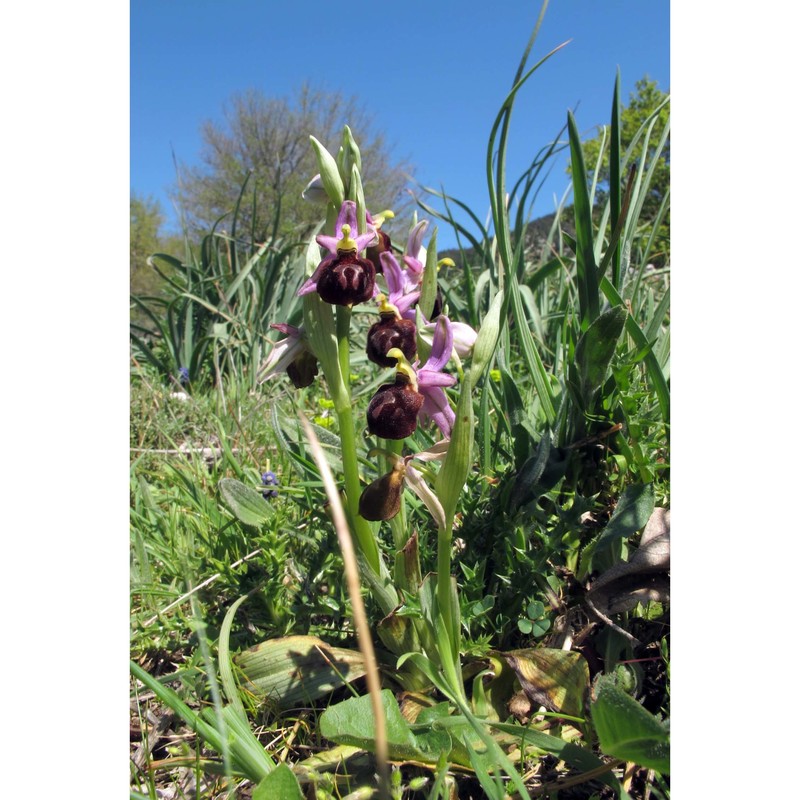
<point>269,137</point>
<point>147,218</point>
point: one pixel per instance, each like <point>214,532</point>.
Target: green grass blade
<point>587,279</point>
<point>225,671</point>
<point>640,340</point>
<point>615,198</point>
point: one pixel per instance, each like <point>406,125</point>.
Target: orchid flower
<point>315,191</point>
<point>391,330</point>
<point>414,248</point>
<point>383,242</point>
<point>403,291</point>
<point>464,337</point>
<point>291,355</point>
<point>342,278</point>
<point>380,500</point>
<point>416,393</point>
<point>431,379</point>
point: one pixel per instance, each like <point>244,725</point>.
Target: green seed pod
<point>381,499</point>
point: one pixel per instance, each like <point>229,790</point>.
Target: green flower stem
<point>376,573</point>
<point>443,575</point>
<point>397,524</point>
<point>446,634</point>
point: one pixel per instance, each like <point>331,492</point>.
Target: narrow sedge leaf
<point>488,335</point>
<point>615,190</point>
<point>329,172</point>
<point>654,371</point>
<point>428,295</point>
<point>453,474</point>
<point>586,268</point>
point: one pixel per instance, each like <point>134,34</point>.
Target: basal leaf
<point>556,679</point>
<point>280,784</point>
<point>297,669</point>
<point>595,349</point>
<point>246,503</point>
<point>627,730</point>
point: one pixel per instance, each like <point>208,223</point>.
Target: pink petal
<point>442,347</point>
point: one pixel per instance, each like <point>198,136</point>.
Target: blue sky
<point>432,74</point>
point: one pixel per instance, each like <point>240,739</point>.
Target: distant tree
<point>270,137</point>
<point>641,104</point>
<point>146,221</point>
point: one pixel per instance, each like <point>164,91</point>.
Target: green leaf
<point>626,730</point>
<point>631,514</point>
<point>556,679</point>
<point>535,609</point>
<point>353,722</point>
<point>427,297</point>
<point>595,350</point>
<point>246,503</point>
<point>280,784</point>
<point>296,669</point>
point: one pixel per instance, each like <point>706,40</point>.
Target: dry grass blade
<point>359,613</point>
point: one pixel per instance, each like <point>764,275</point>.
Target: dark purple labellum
<point>374,252</point>
<point>381,499</point>
<point>392,412</point>
<point>391,332</point>
<point>303,370</point>
<point>437,304</point>
<point>347,280</point>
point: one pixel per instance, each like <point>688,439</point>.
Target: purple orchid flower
<point>403,293</point>
<point>411,258</point>
<point>431,379</point>
<point>290,355</point>
<point>342,278</point>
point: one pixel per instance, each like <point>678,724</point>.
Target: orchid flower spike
<point>342,278</point>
